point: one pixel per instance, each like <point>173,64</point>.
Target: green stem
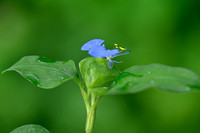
<point>91,101</point>
<point>90,120</point>
<point>91,113</point>
<point>84,94</point>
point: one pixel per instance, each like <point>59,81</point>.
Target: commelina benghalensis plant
<point>99,76</point>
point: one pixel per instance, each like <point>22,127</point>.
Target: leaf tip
<point>5,71</point>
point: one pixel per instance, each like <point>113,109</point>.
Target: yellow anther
<point>116,45</point>
<point>122,48</point>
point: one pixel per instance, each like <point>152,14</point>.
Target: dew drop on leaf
<point>33,78</point>
<point>64,77</point>
<point>187,89</point>
<point>129,84</point>
<point>45,60</point>
<point>152,82</point>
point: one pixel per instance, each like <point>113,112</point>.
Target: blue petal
<point>91,44</point>
<point>97,51</point>
<point>110,64</point>
<point>111,52</point>
<point>101,51</point>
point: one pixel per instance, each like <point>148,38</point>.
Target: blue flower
<point>96,49</point>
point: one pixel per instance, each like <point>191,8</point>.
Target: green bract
<point>96,73</point>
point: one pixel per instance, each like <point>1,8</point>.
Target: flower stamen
<point>122,48</point>
<point>119,47</point>
<point>116,45</point>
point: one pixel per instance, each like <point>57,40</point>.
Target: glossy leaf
<point>30,129</point>
<point>141,77</point>
<point>44,72</point>
<point>96,73</point>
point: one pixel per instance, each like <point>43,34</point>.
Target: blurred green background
<point>156,31</point>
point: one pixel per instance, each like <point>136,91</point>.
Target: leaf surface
<point>141,77</point>
<point>44,72</point>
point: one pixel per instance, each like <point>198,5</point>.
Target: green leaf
<point>44,72</point>
<point>96,73</point>
<point>141,77</point>
<point>30,129</point>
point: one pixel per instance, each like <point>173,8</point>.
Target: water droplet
<point>187,89</point>
<point>45,60</point>
<point>64,77</point>
<point>152,81</point>
<point>149,72</point>
<point>33,78</point>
